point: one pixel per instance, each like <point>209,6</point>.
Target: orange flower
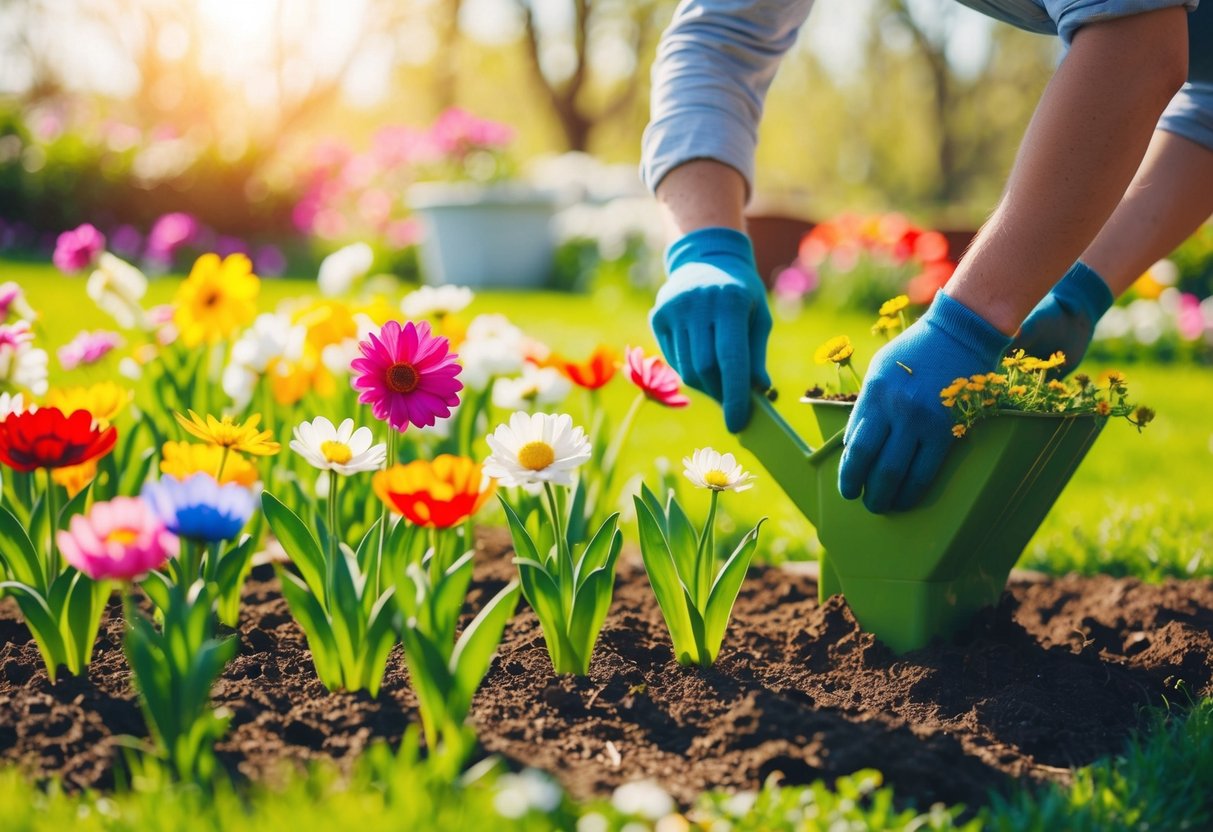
<point>75,477</point>
<point>438,494</point>
<point>594,373</point>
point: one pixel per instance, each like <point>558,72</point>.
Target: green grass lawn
<point>1140,504</point>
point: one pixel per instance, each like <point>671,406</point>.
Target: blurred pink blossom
<point>403,233</point>
<point>76,250</point>
<point>457,132</point>
<point>88,348</point>
<point>1189,319</point>
<point>169,233</point>
<point>795,281</point>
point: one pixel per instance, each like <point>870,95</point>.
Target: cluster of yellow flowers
<point>1025,386</point>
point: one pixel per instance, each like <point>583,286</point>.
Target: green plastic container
<point>912,576</point>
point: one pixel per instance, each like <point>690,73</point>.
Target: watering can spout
<point>785,456</point>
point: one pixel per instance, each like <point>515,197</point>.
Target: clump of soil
<point>1054,677</point>
<point>818,393</point>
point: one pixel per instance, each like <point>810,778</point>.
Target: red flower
<point>934,276</point>
<point>45,438</point>
<point>655,378</point>
<point>596,371</point>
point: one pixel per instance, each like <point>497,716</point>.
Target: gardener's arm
<point>1086,140</point>
<point>713,68</point>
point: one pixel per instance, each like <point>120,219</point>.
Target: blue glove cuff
<point>967,328</point>
<point>710,243</point>
<point>1082,290</point>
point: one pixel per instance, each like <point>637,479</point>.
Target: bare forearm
<point>1171,195</point>
<point>702,194</point>
<point>1084,144</point>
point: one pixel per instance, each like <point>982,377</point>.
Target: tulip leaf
<point>663,575</point>
<point>725,589</point>
<point>17,552</point>
<point>43,625</point>
<point>478,644</point>
<point>315,623</point>
<point>299,544</point>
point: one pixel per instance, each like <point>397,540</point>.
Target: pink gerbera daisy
<point>655,378</point>
<point>407,375</point>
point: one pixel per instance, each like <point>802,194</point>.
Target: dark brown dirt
<point>1055,677</point>
<point>819,394</point>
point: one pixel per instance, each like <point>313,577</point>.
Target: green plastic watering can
<point>912,576</point>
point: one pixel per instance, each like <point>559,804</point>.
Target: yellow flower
<point>976,383</point>
<point>959,430</point>
<point>885,324</point>
<point>1013,360</point>
<point>290,381</point>
<point>327,322</point>
<point>988,402</point>
<point>955,388</point>
<point>894,305</point>
<point>1103,408</point>
<point>225,433</point>
<point>1058,387</point>
<point>104,400</point>
<point>949,402</point>
<point>184,459</point>
<point>996,378</point>
<point>74,478</point>
<point>1112,378</point>
<point>837,350</point>
<point>218,298</point>
<point>1018,390</point>
<point>1055,360</point>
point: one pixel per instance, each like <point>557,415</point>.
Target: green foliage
<point>1160,782</point>
<point>696,599</point>
<point>62,606</point>
<point>570,593</point>
<point>341,605</point>
<point>174,667</point>
<point>445,673</point>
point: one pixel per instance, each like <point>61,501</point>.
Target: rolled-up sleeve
<point>1190,113</point>
<point>713,68</point>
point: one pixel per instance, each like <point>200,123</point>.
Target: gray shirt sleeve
<point>714,65</point>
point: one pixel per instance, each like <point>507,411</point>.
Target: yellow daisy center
<point>336,452</point>
<point>403,377</point>
<point>716,479</point>
<point>535,456</point>
<point>123,537</point>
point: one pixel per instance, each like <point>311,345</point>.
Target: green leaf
<point>655,508</point>
<point>478,644</point>
<point>724,591</point>
<point>158,587</point>
<point>684,541</point>
<point>524,545</point>
<point>74,506</point>
<point>233,566</point>
<point>698,653</point>
<point>311,617</point>
<point>669,589</point>
<point>43,625</point>
<point>299,543</point>
<point>134,475</point>
<point>380,638</point>
<point>85,602</point>
<point>543,595</point>
<point>431,679</point>
<point>345,612</point>
<point>447,601</point>
<point>17,552</point>
<point>598,552</point>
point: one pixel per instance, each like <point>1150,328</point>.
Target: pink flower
<point>77,249</point>
<point>655,378</point>
<point>407,375</point>
<point>88,348</point>
<point>1189,319</point>
<point>169,233</point>
<point>12,299</point>
<point>15,335</point>
<point>119,539</point>
<point>458,132</point>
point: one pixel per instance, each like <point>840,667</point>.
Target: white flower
<point>493,347</point>
<point>11,403</point>
<point>22,365</point>
<point>644,798</point>
<point>521,793</point>
<point>270,337</point>
<point>436,300</point>
<point>340,269</point>
<point>341,449</point>
<point>536,448</point>
<point>536,387</point>
<point>707,468</point>
<point>337,357</point>
<point>118,287</point>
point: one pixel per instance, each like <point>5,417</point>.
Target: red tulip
<point>45,438</point>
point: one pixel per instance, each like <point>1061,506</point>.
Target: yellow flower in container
<point>218,298</point>
<point>184,459</point>
<point>837,350</point>
<point>105,400</point>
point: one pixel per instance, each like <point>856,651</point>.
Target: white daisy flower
<point>536,387</point>
<point>118,288</point>
<point>341,449</point>
<point>11,403</point>
<point>536,448</point>
<point>493,347</point>
<point>707,468</point>
<point>644,798</point>
<point>22,365</point>
<point>343,267</point>
<point>436,301</point>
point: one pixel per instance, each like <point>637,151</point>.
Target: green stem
<point>192,551</point>
<point>611,457</point>
<point>391,460</point>
<point>855,375</point>
<point>333,512</point>
<point>705,557</point>
<point>564,558</point>
<point>53,566</point>
<point>222,463</point>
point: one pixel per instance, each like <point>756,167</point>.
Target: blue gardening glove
<point>900,432</point>
<point>1065,318</point>
<point>712,321</point>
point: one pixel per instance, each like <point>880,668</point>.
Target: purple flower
<point>76,250</point>
<point>88,348</point>
<point>126,242</point>
<point>269,261</point>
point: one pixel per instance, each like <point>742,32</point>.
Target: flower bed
<point>1056,677</point>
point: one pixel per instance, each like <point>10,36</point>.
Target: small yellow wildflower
<point>949,402</point>
<point>1103,408</point>
<point>988,402</point>
<point>1013,360</point>
<point>225,433</point>
<point>885,325</point>
<point>959,430</point>
<point>837,350</point>
<point>1058,386</point>
<point>184,459</point>
<point>996,378</point>
<point>1018,390</point>
<point>955,388</point>
<point>1112,378</point>
<point>894,305</point>
<point>1055,360</point>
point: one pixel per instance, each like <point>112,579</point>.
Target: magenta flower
<point>169,233</point>
<point>655,378</point>
<point>121,539</point>
<point>15,335</point>
<point>457,132</point>
<point>407,375</point>
<point>88,348</point>
<point>76,250</point>
<point>12,299</point>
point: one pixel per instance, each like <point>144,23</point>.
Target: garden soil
<point>1055,677</point>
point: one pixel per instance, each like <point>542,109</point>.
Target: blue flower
<point>200,508</point>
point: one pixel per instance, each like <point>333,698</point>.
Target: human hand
<point>900,432</point>
<point>712,321</point>
<point>1065,318</point>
